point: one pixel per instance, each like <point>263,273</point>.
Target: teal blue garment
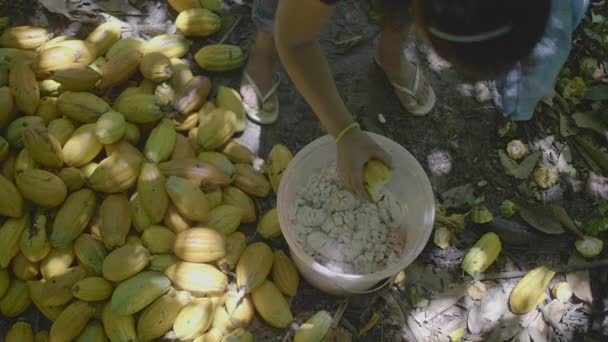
<point>518,93</point>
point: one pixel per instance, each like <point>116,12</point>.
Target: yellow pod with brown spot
<point>72,321</point>
<point>156,67</point>
<point>90,253</point>
<point>16,300</point>
<point>240,310</point>
<point>76,77</point>
<point>84,50</point>
<point>189,200</point>
<point>24,87</point>
<point>271,305</point>
<point>269,227</point>
<point>47,109</point>
<point>24,269</point>
<point>54,58</point>
<point>125,261</point>
<point>115,220</point>
<point>42,187</point>
<point>251,181</point>
<point>193,319</point>
<point>197,278</point>
<point>220,161</point>
<point>182,74</point>
<point>93,289</point>
<point>73,217</point>
<point>33,242</point>
<point>82,106</point>
<point>104,36</point>
<point>235,245</point>
<point>158,318</point>
<point>284,274</point>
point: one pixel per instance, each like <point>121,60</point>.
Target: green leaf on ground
<point>541,217</point>
<point>590,121</point>
<point>596,225</point>
<point>522,170</point>
<point>597,93</point>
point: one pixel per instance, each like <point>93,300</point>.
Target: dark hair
<point>482,38</point>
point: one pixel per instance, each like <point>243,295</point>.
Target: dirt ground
<point>456,144</point>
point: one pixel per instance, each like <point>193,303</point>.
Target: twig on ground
<point>227,34</point>
<point>551,322</point>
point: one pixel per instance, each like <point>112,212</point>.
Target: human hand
<point>355,149</point>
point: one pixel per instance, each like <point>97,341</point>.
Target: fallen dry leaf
<point>554,311</point>
<point>599,157</point>
<point>477,290</point>
<point>541,217</point>
<point>457,197</point>
<point>494,305</point>
<point>589,120</point>
<point>475,322</point>
<point>504,331</point>
<point>523,336</point>
<point>565,126</point>
<point>539,330</point>
<point>522,170</point>
<point>579,281</point>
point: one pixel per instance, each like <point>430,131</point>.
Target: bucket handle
<point>379,287</point>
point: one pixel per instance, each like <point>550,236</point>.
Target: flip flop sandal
<point>420,109</point>
<point>251,93</point>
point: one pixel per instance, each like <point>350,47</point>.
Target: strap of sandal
<point>256,89</point>
<point>407,91</point>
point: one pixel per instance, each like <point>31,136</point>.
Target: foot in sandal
<point>414,92</point>
<point>260,81</point>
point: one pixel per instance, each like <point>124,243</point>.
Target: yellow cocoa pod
<point>33,242</point>
<point>158,318</point>
<point>161,142</point>
<point>215,198</point>
<point>82,106</point>
<point>7,170</point>
<point>73,217</point>
<point>220,57</point>
<point>119,171</point>
<point>182,74</point>
<point>7,106</point>
<point>220,161</point>
<point>110,127</point>
<point>56,262</point>
<point>93,289</point>
<point>82,147</point>
<point>240,310</point>
<point>315,328</point>
<point>189,200</point>
<point>16,300</point>
<point>160,262</point>
<point>10,234</point>
<point>23,268</point>
<point>43,336</point>
<point>132,134</point>
<point>216,129</point>
<point>90,253</point>
<point>119,69</point>
<point>5,281</point>
<point>115,220</point>
<point>118,327</point>
<point>14,131</point>
<point>44,148</point>
<point>147,87</point>
<point>235,245</point>
<point>140,218</point>
<point>271,305</point>
<point>24,87</point>
<point>24,162</point>
<point>213,335</point>
<point>193,319</point>
<point>9,55</point>
<point>72,177</point>
<point>104,36</point>
<point>140,108</point>
<point>4,149</point>
<point>49,87</point>
<point>85,51</point>
<point>139,291</point>
<point>48,109</point>
<point>166,95</point>
<point>24,37</point>
<point>76,77</point>
<point>238,153</point>
<point>238,334</point>
<point>224,219</point>
<point>182,5</point>
<point>54,58</point>
<point>284,274</point>
<point>156,67</point>
<point>151,190</point>
<point>193,95</point>
<point>254,266</point>
<point>171,45</point>
<point>198,279</point>
<point>93,332</point>
<point>20,332</point>
<point>72,321</point>
<point>198,22</point>
<point>251,181</point>
<point>375,176</point>
<point>174,220</point>
<point>11,201</point>
<point>97,63</point>
<point>230,99</point>
<point>88,170</point>
<point>182,149</point>
<point>199,245</point>
<point>530,290</point>
<point>42,187</point>
<point>158,239</point>
<point>51,42</point>
<point>201,174</point>
<point>235,197</point>
<point>269,227</point>
<point>130,43</point>
<point>482,255</point>
<point>125,261</point>
<point>4,71</point>
<point>61,129</point>
<point>278,160</point>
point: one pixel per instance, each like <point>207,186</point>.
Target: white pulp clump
<point>344,233</point>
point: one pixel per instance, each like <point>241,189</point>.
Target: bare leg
<point>397,68</point>
<point>263,61</point>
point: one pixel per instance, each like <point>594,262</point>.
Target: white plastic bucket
<point>409,183</point>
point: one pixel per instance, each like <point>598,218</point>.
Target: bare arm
<point>297,26</point>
